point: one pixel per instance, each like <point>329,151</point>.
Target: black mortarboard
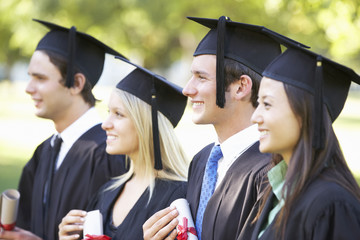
<point>161,94</point>
<point>327,80</point>
<point>254,46</point>
<point>80,49</point>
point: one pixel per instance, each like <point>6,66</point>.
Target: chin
<point>110,151</point>
<point>264,149</point>
<point>199,121</point>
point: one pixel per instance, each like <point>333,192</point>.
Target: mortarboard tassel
<point>220,52</point>
<point>318,140</point>
<point>71,57</point>
<point>156,141</point>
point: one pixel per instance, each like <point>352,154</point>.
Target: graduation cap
<point>161,94</point>
<point>327,80</point>
<point>80,49</point>
<point>252,45</point>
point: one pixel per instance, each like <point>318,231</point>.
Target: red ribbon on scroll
<point>96,237</point>
<point>183,230</point>
<point>8,227</point>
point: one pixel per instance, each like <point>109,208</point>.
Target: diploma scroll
<point>93,224</point>
<point>186,227</point>
<point>9,208</point>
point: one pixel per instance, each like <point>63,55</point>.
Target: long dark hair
<point>306,163</point>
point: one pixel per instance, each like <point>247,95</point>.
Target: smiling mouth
<point>195,104</point>
<point>37,102</point>
<point>263,133</point>
<point>111,137</point>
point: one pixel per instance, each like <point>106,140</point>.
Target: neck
<point>236,121</point>
<point>139,169</point>
<point>140,179</point>
<point>74,112</point>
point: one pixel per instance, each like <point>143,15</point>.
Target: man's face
<point>201,89</point>
<point>51,98</point>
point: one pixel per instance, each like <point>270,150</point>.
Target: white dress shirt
<point>233,147</point>
<point>73,132</point>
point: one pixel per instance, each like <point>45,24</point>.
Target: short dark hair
<point>233,72</point>
<point>61,63</point>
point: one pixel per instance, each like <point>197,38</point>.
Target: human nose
<point>189,89</point>
<point>256,116</point>
<point>106,125</point>
<point>30,87</point>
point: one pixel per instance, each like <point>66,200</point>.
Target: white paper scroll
<point>185,219</point>
<point>9,208</point>
<point>93,224</point>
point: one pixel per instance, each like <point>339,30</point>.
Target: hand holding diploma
<point>172,222</point>
<point>78,222</point>
<point>186,227</point>
<point>9,203</point>
<point>9,208</point>
<point>72,225</point>
<point>93,226</point>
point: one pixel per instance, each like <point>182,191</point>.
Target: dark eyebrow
<point>197,72</point>
<point>266,96</point>
<point>36,74</point>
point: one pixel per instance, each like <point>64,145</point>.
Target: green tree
<point>158,32</point>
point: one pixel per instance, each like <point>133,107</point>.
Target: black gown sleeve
<point>25,188</point>
<point>339,221</point>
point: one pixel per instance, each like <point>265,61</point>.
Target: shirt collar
<point>276,177</point>
<point>237,143</point>
<point>89,119</point>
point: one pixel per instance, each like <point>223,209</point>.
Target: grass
<point>21,131</point>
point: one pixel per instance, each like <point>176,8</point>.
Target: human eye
<point>267,105</point>
<point>201,77</point>
<point>119,114</point>
<point>263,102</point>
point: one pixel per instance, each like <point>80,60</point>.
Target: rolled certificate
<point>186,227</point>
<point>9,208</point>
<point>93,224</point>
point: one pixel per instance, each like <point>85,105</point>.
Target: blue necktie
<point>208,185</point>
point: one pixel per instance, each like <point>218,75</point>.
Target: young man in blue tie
<point>226,73</point>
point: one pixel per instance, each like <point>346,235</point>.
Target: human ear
<point>243,87</point>
<point>79,83</point>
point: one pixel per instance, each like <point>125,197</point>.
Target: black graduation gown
<point>165,192</point>
<point>325,211</point>
<point>84,170</point>
<point>233,199</point>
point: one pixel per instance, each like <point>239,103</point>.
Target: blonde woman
<point>143,111</point>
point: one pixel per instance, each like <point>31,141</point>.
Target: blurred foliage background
<point>157,34</point>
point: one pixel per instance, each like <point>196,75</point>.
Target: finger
<point>71,226</point>
<point>172,236</point>
<point>71,229</point>
<point>157,216</point>
<point>67,220</point>
<point>71,237</point>
<point>73,217</point>
<point>162,227</point>
<point>76,212</point>
<point>166,230</point>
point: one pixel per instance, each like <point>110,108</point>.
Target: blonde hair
<point>174,160</point>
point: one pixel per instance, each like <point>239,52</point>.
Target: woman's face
<point>278,126</point>
<point>120,130</point>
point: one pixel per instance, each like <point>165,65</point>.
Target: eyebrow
<point>198,72</point>
<point>36,74</point>
<point>265,96</point>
